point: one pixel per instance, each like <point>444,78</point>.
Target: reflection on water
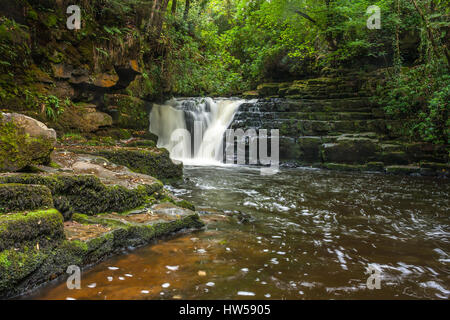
<point>313,236</point>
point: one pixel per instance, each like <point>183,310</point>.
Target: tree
<point>174,7</point>
<point>186,9</point>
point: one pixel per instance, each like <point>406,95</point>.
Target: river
<point>308,234</point>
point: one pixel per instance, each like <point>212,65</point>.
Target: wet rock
<point>310,148</point>
<point>375,166</point>
<point>406,170</point>
<point>350,150</point>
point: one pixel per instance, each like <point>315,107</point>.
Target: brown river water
<point>312,234</point>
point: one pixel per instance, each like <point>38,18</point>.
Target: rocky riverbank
<point>63,202</point>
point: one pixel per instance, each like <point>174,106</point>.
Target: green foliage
<point>14,46</point>
<point>52,106</point>
<point>421,96</point>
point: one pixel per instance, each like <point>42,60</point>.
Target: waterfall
<point>204,119</point>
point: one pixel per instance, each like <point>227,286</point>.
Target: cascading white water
<point>203,148</point>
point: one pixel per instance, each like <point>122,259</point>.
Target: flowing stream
<point>299,234</point>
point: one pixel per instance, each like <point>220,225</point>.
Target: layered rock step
<point>37,246</point>
<point>333,123</point>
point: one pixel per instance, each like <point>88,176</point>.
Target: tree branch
<point>304,15</point>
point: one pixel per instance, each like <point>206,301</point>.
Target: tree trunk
<point>161,17</point>
<point>152,14</point>
<point>328,34</point>
<point>174,7</point>
<point>186,9</point>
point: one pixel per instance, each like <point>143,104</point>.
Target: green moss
<point>17,197</point>
<point>16,266</point>
<point>185,204</point>
<point>402,170</point>
<point>32,15</point>
<point>156,163</point>
<point>51,20</point>
<point>343,167</point>
<point>375,166</point>
<point>131,113</point>
<point>142,143</point>
<point>17,149</point>
<point>23,269</point>
<point>43,228</point>
<point>86,194</point>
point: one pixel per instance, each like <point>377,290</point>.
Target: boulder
<point>350,150</point>
<point>98,119</point>
<point>31,127</point>
<point>24,141</point>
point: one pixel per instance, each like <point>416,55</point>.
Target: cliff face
<point>106,65</point>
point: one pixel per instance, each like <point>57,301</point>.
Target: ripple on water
<point>312,236</point>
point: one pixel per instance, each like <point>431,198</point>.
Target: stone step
<point>305,115</point>
<point>308,105</point>
<point>297,128</point>
<point>324,95</point>
<point>317,88</point>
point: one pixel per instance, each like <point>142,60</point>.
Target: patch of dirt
<point>83,232</point>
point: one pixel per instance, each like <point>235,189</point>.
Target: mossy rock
<point>153,162</point>
<point>395,158</point>
<point>403,170</point>
<point>350,150</point>
<point>375,166</point>
<point>343,167</point>
<point>19,149</point>
<point>86,193</point>
<point>23,270</point>
<point>185,204</point>
<point>268,89</point>
<point>289,149</point>
<point>16,266</point>
<point>19,197</point>
<point>142,143</point>
<point>310,148</point>
<point>39,229</point>
<point>128,112</point>
<point>440,167</point>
